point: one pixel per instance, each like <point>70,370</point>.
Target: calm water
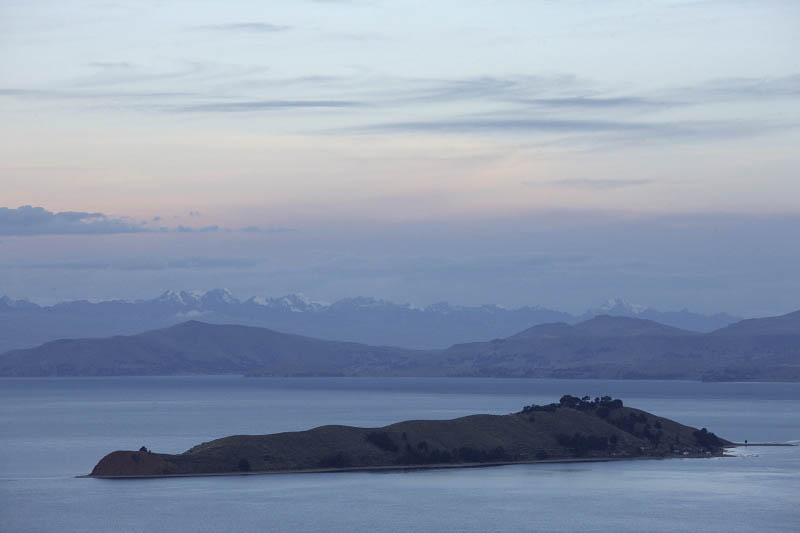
<point>54,429</point>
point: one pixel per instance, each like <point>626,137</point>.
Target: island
<point>574,429</point>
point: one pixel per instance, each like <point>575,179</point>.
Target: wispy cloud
<point>492,88</point>
<point>585,183</point>
<point>28,220</point>
<point>472,125</point>
<point>143,263</point>
<point>268,229</point>
<point>264,105</point>
<point>250,27</point>
<point>204,229</point>
<point>594,132</point>
<point>114,65</point>
<point>742,88</point>
<point>593,102</point>
<point>58,94</point>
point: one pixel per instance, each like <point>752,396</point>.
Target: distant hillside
<point>365,320</point>
<point>571,429</point>
<point>199,348</point>
<point>601,327</point>
<point>625,348</point>
<point>788,324</point>
<point>683,319</point>
<point>601,348</point>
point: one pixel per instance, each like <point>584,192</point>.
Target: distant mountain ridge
<point>198,348</point>
<point>608,347</point>
<point>603,347</point>
<point>367,320</point>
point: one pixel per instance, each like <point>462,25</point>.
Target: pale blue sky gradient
<point>413,145</point>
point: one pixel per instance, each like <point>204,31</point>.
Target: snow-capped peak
<point>296,303</point>
<point>7,302</point>
<point>182,298</point>
<point>218,296</point>
<point>196,298</point>
<point>618,305</point>
<point>363,302</point>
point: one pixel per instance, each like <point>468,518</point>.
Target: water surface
<point>54,429</point>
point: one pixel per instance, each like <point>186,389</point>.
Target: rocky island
<point>571,430</point>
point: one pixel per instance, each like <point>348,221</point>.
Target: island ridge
<point>573,429</point>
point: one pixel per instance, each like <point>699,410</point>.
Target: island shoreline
<point>441,466</point>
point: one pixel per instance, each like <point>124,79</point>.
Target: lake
<point>52,429</point>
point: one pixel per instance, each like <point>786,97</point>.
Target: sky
<point>508,152</point>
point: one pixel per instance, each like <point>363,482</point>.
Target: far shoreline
<point>355,378</point>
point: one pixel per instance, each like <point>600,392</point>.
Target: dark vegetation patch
<point>638,425</point>
<point>581,445</point>
<point>601,406</point>
<point>422,454</point>
<point>707,439</point>
<point>382,440</point>
<point>335,460</point>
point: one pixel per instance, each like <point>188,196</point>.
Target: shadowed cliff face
<point>571,429</point>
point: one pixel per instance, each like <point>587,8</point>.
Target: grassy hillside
<point>573,428</point>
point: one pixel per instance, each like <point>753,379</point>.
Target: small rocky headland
<point>574,429</point>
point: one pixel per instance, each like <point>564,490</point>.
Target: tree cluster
<point>382,440</point>
<point>422,454</point>
<point>603,405</point>
<point>336,460</point>
<point>580,445</point>
<point>706,439</point>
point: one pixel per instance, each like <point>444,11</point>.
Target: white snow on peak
<point>620,305</point>
<point>220,295</point>
<point>195,298</point>
<point>296,303</point>
<point>177,297</point>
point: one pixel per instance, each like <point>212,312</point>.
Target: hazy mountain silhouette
<point>199,348</point>
<point>603,347</point>
<point>366,320</point>
<point>788,324</point>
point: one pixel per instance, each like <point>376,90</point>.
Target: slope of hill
<point>366,320</point>
<point>572,429</point>
<point>604,326</point>
<point>625,348</point>
<point>683,319</point>
<point>600,348</point>
<point>198,348</point>
<point>788,324</point>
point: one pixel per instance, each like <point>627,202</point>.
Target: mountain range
<point>604,347</point>
<point>366,320</point>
